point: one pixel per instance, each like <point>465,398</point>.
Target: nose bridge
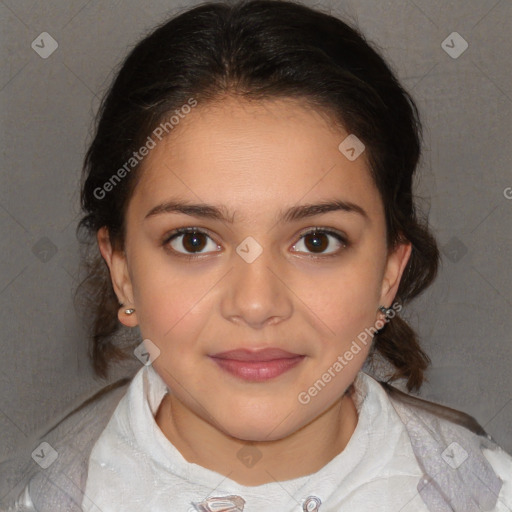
<point>255,292</point>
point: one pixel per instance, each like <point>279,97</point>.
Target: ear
<point>395,265</point>
<point>119,275</point>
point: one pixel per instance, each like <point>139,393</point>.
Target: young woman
<point>249,187</point>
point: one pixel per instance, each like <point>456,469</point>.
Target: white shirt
<point>134,467</point>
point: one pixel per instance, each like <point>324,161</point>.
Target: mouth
<point>257,365</point>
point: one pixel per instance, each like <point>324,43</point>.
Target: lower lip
<point>258,371</point>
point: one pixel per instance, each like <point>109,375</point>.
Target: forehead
<point>254,156</point>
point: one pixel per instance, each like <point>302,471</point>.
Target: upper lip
<point>267,354</point>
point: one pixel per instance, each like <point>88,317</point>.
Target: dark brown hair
<point>258,49</point>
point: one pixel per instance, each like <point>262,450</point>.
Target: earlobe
<point>119,275</point>
<point>396,262</point>
<point>127,316</point>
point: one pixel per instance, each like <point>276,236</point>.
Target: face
<point>258,300</point>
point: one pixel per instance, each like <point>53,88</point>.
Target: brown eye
<point>191,241</point>
<point>194,242</point>
<point>316,242</point>
<point>321,242</point>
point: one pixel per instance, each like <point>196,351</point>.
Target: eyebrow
<point>292,214</point>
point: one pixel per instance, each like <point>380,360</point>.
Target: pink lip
<point>257,366</point>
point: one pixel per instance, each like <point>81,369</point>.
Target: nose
<point>256,292</point>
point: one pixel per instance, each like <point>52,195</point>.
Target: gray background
<point>47,107</point>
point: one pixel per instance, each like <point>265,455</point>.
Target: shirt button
<point>311,504</point>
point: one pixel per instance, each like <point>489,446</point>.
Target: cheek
<point>346,301</point>
<point>169,303</point>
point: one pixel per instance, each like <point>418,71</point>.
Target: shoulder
<point>458,457</point>
<point>49,472</point>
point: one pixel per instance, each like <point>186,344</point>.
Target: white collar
<point>376,420</point>
<point>138,459</point>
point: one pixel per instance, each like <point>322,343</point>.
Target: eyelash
<point>341,238</point>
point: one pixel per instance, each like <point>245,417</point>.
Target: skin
<point>255,159</point>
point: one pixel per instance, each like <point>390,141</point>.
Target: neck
<point>307,450</point>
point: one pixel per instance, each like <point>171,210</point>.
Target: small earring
<point>385,310</point>
<point>129,311</point>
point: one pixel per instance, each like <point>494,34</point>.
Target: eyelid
<point>187,229</point>
<point>329,231</point>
